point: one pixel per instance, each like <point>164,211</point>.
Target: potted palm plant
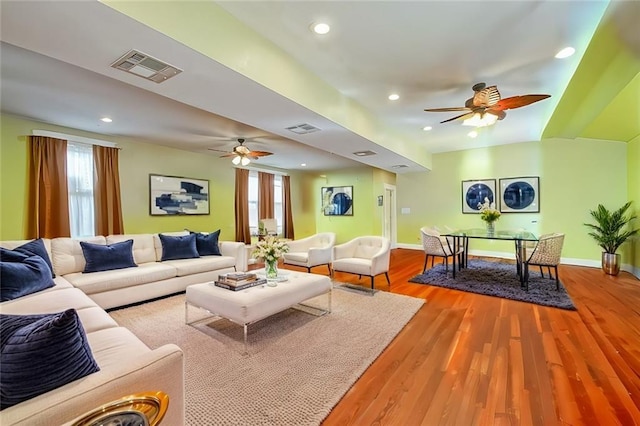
<point>610,234</point>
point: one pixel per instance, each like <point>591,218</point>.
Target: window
<point>80,182</point>
<point>253,202</point>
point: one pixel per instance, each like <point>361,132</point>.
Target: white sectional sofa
<point>126,364</point>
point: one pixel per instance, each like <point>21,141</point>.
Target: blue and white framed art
<point>337,200</point>
<point>174,195</point>
<point>475,191</point>
<point>520,195</point>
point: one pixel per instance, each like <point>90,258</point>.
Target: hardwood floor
<point>468,359</point>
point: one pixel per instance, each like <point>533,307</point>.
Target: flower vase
<point>491,227</point>
<point>271,271</point>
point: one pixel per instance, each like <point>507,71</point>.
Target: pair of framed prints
<point>512,195</point>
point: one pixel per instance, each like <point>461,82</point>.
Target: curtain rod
<point>74,138</point>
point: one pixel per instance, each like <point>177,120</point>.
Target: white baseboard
<point>564,260</point>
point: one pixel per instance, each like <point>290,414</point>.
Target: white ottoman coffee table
<point>248,306</point>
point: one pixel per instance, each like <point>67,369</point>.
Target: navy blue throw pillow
<point>36,247</point>
<point>22,274</point>
<point>40,353</point>
<point>207,244</point>
<point>182,247</point>
<point>100,257</point>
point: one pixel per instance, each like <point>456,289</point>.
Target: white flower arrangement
<point>488,211</point>
<point>270,249</point>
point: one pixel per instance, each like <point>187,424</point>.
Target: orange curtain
<point>288,214</point>
<point>266,205</point>
<point>243,233</point>
<point>106,191</point>
<point>48,209</point>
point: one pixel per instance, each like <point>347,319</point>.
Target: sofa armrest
<point>160,369</point>
<point>238,251</point>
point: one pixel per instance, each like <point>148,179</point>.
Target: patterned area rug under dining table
<point>499,279</point>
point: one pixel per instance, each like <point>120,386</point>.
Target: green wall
<point>633,169</point>
<point>137,161</point>
<point>575,175</point>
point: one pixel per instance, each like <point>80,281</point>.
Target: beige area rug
<point>298,367</point>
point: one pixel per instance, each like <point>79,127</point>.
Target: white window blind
<point>80,182</point>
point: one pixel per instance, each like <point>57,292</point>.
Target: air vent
<point>145,66</point>
<point>399,166</point>
<point>303,129</point>
<point>364,153</point>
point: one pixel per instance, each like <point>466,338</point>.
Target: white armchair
<point>363,256</point>
<point>311,251</point>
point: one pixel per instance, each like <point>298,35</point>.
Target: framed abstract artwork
<point>337,200</point>
<point>174,195</point>
<point>520,195</point>
<point>475,191</point>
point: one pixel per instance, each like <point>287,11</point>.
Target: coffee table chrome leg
<point>246,350</point>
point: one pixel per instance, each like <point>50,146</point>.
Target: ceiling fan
<point>241,154</point>
<point>486,106</point>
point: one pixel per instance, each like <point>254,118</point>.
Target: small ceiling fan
<point>487,100</point>
<point>241,154</point>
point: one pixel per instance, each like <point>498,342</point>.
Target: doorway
<point>389,229</point>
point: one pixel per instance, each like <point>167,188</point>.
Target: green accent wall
<point>569,188</point>
<point>633,170</point>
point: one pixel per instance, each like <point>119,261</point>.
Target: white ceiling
<point>56,56</point>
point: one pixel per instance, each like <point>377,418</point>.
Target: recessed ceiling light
<point>320,28</point>
<point>304,164</point>
<point>427,128</point>
<point>394,97</point>
<point>106,119</point>
<point>565,53</point>
<point>472,134</point>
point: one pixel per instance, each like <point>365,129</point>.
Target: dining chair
<point>435,245</point>
<point>547,253</point>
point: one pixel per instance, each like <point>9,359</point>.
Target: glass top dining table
<point>461,239</point>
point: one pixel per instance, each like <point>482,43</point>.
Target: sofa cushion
<point>178,247</point>
<point>302,257</point>
<point>67,255</point>
<point>22,274</point>
<point>143,246</point>
<point>121,278</point>
<point>40,353</point>
<point>201,264</point>
<point>48,302</point>
<point>207,244</point>
<point>37,247</point>
<point>100,257</point>
<point>115,346</point>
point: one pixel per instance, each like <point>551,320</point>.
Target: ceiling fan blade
<point>448,109</point>
<point>518,101</point>
<point>460,117</point>
<point>259,153</point>
<point>231,154</point>
<point>217,150</point>
<point>497,112</point>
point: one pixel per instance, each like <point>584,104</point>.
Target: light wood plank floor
<point>468,359</point>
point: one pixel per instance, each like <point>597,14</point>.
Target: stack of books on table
<point>239,281</point>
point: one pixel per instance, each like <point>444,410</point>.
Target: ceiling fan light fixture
<point>245,161</point>
<point>481,120</point>
<point>236,160</point>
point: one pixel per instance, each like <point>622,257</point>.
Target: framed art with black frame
<point>174,195</point>
<point>337,200</point>
<point>475,191</point>
<point>520,195</point>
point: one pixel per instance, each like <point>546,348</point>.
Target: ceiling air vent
<point>364,153</point>
<point>303,129</point>
<point>399,166</point>
<point>145,66</point>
